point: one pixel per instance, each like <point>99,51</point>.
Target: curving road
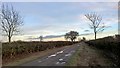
<point>59,58</point>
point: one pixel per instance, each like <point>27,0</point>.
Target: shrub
<point>10,50</point>
<point>109,45</point>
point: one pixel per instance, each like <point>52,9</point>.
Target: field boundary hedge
<point>10,50</point>
<point>110,46</point>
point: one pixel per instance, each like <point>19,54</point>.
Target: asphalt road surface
<point>59,58</point>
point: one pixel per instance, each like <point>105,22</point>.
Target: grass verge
<point>74,58</point>
<point>88,56</point>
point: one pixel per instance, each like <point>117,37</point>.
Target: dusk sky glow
<point>58,18</point>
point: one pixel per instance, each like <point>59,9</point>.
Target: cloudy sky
<point>57,18</point>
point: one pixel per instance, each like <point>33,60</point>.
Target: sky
<point>59,0</point>
<point>58,18</point>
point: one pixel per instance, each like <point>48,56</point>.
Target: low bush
<point>10,50</point>
<point>110,46</point>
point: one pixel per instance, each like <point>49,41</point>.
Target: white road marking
<point>39,61</point>
<point>72,51</point>
<point>68,54</point>
<point>47,57</point>
<point>52,55</point>
<point>60,62</point>
<point>63,62</point>
<point>59,52</point>
<point>60,59</point>
<point>55,54</point>
<point>57,62</point>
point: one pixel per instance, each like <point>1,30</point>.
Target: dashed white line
<point>72,51</point>
<point>55,54</point>
<point>60,59</point>
<point>63,62</point>
<point>52,55</point>
<point>60,62</point>
<point>59,52</point>
<point>68,54</point>
<point>57,62</point>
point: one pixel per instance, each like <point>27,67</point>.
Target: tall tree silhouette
<point>95,24</point>
<point>41,38</point>
<point>10,21</point>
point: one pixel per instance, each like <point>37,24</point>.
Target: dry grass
<point>110,47</point>
<point>88,56</point>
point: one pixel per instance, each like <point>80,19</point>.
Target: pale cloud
<point>82,17</point>
<point>39,32</point>
<point>111,21</point>
<point>59,18</point>
<point>60,0</point>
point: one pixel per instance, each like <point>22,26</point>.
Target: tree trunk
<point>95,32</point>
<point>9,38</point>
<point>72,40</point>
<point>95,38</point>
<point>95,35</point>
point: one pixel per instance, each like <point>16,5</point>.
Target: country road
<point>59,58</point>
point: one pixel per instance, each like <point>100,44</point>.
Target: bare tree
<point>41,38</point>
<point>10,21</point>
<point>66,36</point>
<point>96,24</point>
<point>72,35</point>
